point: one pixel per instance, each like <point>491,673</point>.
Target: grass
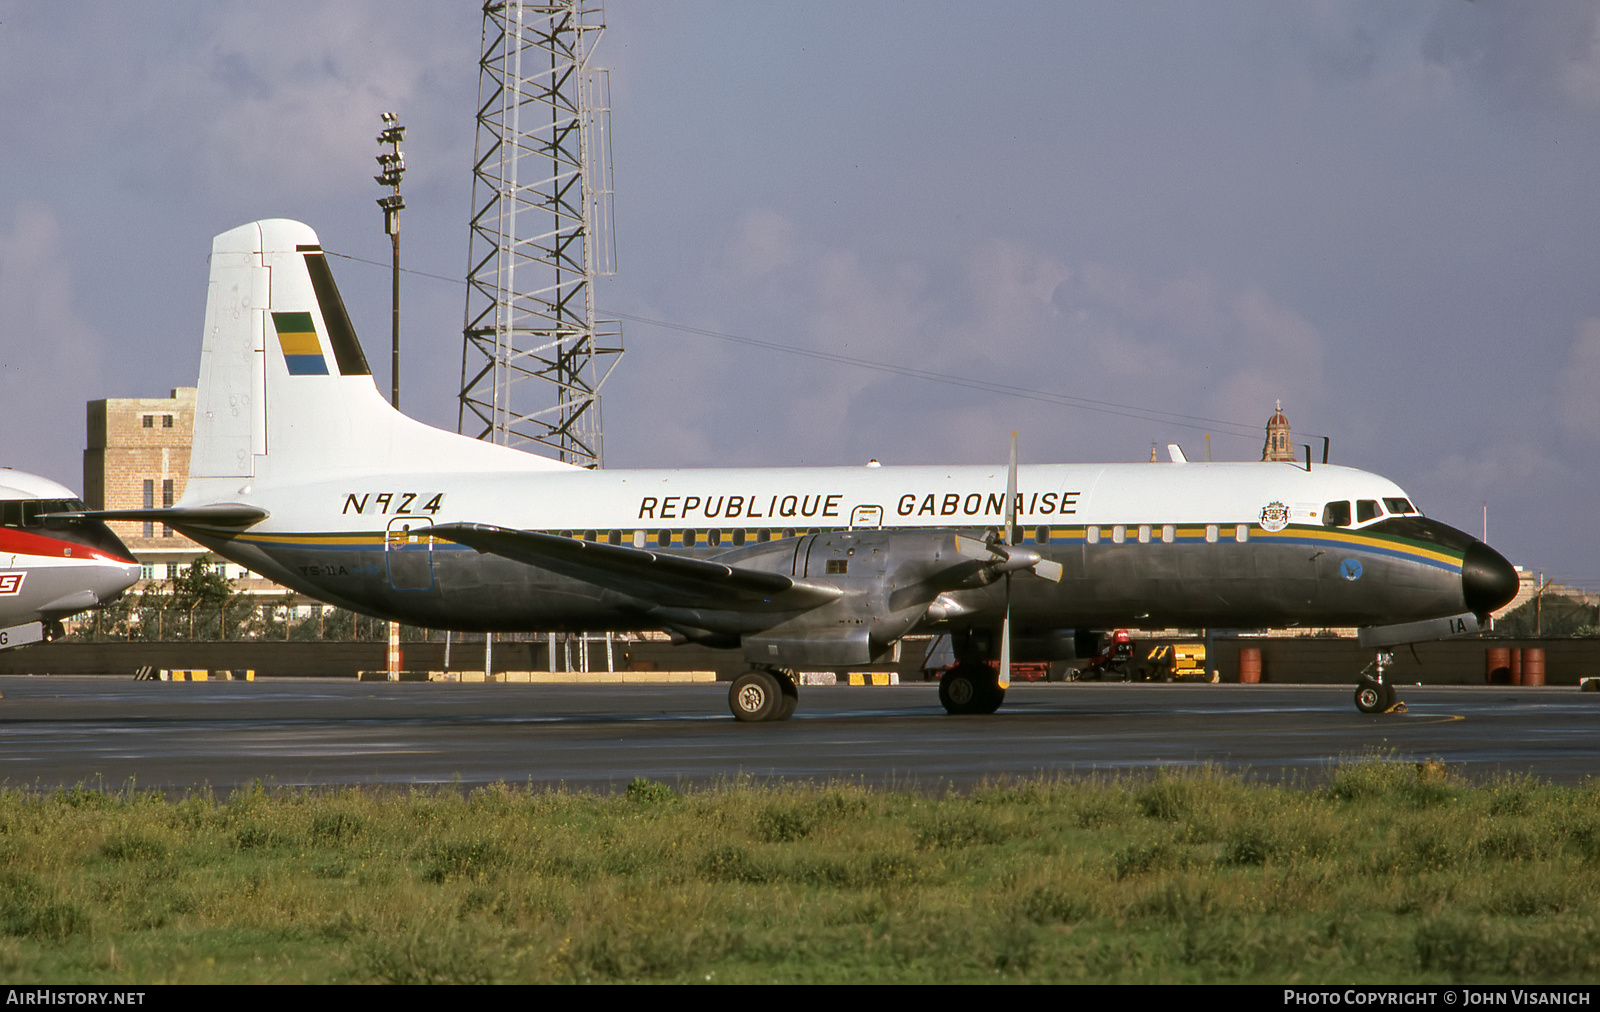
<point>1388,872</point>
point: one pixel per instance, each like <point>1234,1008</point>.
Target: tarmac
<point>98,731</point>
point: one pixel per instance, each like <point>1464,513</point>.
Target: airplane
<point>302,472</point>
<point>52,566</point>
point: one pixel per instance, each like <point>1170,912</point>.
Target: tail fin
<point>285,393</point>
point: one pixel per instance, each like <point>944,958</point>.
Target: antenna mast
<point>533,354</point>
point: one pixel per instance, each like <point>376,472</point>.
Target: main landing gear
<point>1373,694</point>
<point>763,694</point>
<point>971,687</point>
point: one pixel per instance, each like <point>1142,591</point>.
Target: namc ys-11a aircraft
<point>52,566</point>
<point>303,473</point>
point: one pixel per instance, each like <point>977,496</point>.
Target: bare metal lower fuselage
<point>1298,576</point>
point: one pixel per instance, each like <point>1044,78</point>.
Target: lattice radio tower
<point>533,355</point>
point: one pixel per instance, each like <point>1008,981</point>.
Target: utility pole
<point>392,165</point>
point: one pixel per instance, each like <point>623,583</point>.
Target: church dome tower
<point>1279,445</point>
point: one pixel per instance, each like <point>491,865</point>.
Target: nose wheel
<point>763,694</point>
<point>1373,693</point>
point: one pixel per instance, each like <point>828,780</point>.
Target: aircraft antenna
<point>533,355</point>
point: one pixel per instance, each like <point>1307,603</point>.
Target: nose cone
<point>1488,581</point>
<point>115,579</point>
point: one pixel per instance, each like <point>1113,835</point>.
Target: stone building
<point>137,457</point>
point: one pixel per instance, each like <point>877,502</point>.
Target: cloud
<point>278,101</point>
<point>1002,313</point>
<point>763,243</point>
<point>1222,351</point>
<point>1527,54</point>
<point>50,359</point>
<point>1578,386</point>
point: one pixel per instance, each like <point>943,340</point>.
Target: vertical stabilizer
<point>285,393</point>
<point>230,416</point>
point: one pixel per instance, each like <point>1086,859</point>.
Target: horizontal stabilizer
<point>224,514</point>
<point>1465,624</point>
<point>668,580</point>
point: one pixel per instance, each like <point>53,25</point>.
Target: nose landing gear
<point>1373,693</point>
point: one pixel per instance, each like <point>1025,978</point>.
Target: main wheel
<point>1374,697</point>
<point>756,696</point>
<point>991,698</point>
<point>970,688</point>
<point>791,697</point>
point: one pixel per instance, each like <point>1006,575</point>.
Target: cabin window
<point>1168,532</point>
<point>1367,509</point>
<point>663,538</point>
<point>613,537</point>
<point>1211,533</point>
<point>1042,535</point>
<point>565,534</point>
<point>1119,534</point>
<point>1336,514</point>
<point>738,537</point>
<point>1144,534</point>
<point>689,538</point>
<point>788,532</point>
<point>714,537</point>
<point>763,535</point>
<point>1241,532</point>
<point>1399,506</point>
<point>640,538</point>
<point>591,535</point>
<point>1092,535</point>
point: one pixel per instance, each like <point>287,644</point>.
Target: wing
<point>670,580</point>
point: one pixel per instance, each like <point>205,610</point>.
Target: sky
<point>1385,215</point>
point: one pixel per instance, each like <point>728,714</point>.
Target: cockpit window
<point>27,512</point>
<point>1367,509</point>
<point>1336,514</point>
<point>1399,506</point>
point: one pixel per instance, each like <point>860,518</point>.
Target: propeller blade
<point>1005,640</point>
<point>1006,539</point>
<point>975,548</point>
<point>1011,494</point>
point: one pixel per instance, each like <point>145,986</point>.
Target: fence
<point>248,620</point>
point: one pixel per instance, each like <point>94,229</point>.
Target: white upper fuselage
<point>825,497</point>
